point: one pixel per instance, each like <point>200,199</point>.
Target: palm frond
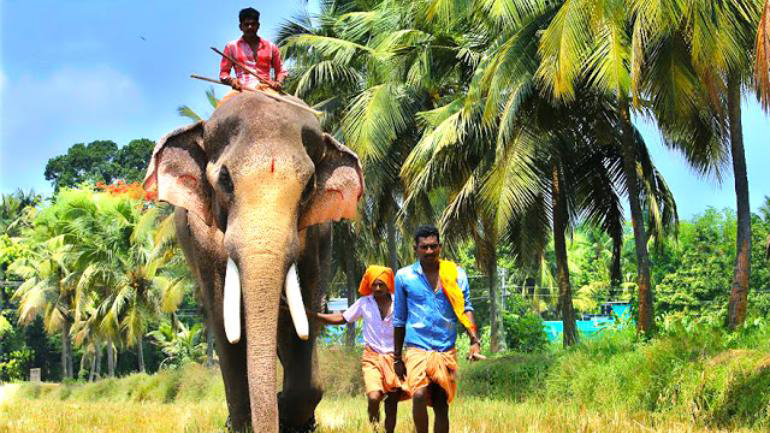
<point>564,48</point>
<point>762,59</point>
<point>339,50</point>
<point>374,120</point>
<point>188,112</point>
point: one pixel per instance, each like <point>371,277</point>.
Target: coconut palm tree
<point>15,211</point>
<point>48,290</point>
<point>495,106</point>
<point>714,37</point>
<point>140,291</point>
<point>586,41</point>
<point>344,63</point>
<point>607,46</point>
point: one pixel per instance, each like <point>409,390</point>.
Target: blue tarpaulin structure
<point>612,313</point>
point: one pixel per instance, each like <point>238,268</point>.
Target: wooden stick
<point>244,67</point>
<point>268,94</point>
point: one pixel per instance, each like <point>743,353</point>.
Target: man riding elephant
<point>254,52</point>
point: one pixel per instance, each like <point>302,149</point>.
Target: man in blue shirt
<point>425,316</point>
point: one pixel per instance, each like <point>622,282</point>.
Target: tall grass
<point>697,375</point>
<point>689,379</point>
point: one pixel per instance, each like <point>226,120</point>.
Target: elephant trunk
<point>263,279</point>
<point>264,263</point>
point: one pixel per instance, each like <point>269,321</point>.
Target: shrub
<point>524,330</point>
<point>511,377</point>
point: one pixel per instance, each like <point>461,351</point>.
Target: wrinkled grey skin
<point>259,182</point>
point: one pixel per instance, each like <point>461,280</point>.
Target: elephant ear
<point>339,185</point>
<point>176,173</point>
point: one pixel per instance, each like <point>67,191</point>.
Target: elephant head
<point>259,171</point>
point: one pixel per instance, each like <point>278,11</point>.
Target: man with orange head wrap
<point>376,308</point>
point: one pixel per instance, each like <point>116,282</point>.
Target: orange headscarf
<point>374,272</point>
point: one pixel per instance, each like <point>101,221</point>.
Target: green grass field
<point>681,382</point>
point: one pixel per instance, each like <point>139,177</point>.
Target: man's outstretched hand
<point>474,353</point>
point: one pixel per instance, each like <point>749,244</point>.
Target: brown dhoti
<point>424,367</point>
<point>379,374</point>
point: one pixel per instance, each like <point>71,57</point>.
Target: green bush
<point>524,330</point>
<point>15,356</point>
<point>511,377</point>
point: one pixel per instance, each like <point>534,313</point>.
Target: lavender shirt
<point>378,333</point>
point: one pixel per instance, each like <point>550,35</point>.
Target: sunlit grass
<point>38,416</point>
<point>338,415</point>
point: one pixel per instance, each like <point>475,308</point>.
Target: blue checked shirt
<point>430,321</point>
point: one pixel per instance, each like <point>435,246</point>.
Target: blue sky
<point>80,71</point>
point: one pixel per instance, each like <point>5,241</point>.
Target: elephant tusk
<point>232,302</point>
<point>296,306</point>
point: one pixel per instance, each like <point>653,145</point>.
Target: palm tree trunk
<point>494,315</point>
<point>92,374</point>
<point>645,324</point>
<point>487,251</point>
<point>740,288</point>
<point>392,249</point>
<point>82,369</point>
<point>616,271</point>
<point>98,362</point>
<point>566,309</point>
<point>66,351</point>
<point>140,353</point>
<point>110,360</point>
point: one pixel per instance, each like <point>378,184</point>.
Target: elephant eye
<point>225,181</point>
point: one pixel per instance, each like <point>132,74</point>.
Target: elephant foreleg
<point>203,250</point>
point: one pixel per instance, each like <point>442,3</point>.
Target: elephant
<point>255,189</point>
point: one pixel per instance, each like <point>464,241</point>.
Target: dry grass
<point>39,416</point>
<point>341,415</point>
